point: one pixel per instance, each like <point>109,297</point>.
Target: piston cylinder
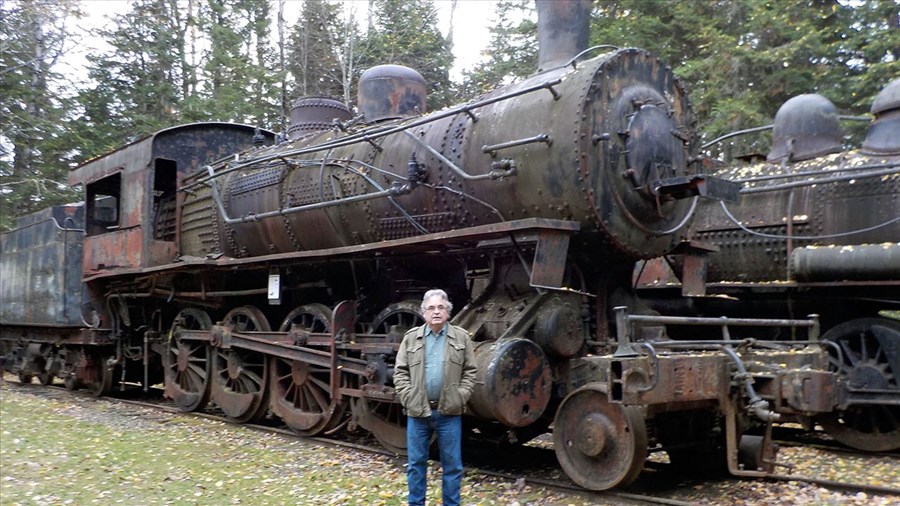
<point>559,329</point>
<point>513,382</point>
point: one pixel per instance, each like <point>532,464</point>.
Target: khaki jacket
<point>459,373</point>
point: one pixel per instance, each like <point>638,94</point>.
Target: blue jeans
<point>448,431</point>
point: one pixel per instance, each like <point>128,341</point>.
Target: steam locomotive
<point>275,277</point>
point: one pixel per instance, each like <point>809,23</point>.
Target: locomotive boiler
<point>275,279</point>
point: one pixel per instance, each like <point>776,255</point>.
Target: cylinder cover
<point>559,330</point>
<point>513,382</point>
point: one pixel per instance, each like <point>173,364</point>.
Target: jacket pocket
<point>453,401</point>
<point>413,366</point>
<point>457,354</point>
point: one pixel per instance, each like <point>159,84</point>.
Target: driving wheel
<point>599,445</point>
<point>385,419</point>
<point>301,392</point>
<point>240,376</point>
<point>869,359</point>
<point>396,319</point>
<point>187,362</point>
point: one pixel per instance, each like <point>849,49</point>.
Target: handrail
<point>394,191</point>
<point>367,136</point>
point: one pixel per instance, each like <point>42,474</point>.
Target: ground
<point>58,448</point>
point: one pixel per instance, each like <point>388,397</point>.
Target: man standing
<point>434,376</point>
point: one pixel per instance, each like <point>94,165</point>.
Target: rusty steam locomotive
<point>277,278</point>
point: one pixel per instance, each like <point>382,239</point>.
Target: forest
<point>180,61</point>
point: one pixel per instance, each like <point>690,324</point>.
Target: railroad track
<point>476,463</point>
<point>794,436</point>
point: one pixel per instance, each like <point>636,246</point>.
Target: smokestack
<point>563,30</point>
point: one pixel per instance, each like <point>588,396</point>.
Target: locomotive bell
<point>513,382</point>
<point>806,126</point>
<point>883,136</point>
<point>391,92</point>
<point>314,114</point>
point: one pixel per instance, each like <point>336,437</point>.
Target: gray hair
<point>437,292</point>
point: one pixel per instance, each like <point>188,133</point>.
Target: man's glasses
<point>432,309</point>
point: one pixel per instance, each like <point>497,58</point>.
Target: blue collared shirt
<point>434,362</point>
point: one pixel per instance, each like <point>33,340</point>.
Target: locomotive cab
<point>131,198</point>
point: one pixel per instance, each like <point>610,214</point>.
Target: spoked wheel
<point>599,445</point>
<point>46,377</point>
<point>385,420</point>
<point>301,392</point>
<point>396,319</point>
<point>86,369</point>
<point>869,360</point>
<point>70,361</point>
<point>188,363</point>
<point>240,376</point>
<point>100,376</point>
<point>24,374</point>
<point>49,368</point>
<point>311,318</point>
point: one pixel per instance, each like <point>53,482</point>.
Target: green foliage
<point>175,62</point>
<point>238,69</point>
<point>869,52</point>
<point>512,52</point>
<point>313,48</point>
<point>137,87</point>
<point>34,156</point>
<point>404,32</point>
<point>742,59</point>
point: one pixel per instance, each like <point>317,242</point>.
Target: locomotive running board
<point>552,238</point>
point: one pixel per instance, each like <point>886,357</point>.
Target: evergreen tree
<point>238,69</point>
<point>33,154</point>
<point>868,50</point>
<point>313,49</point>
<point>404,32</point>
<point>138,82</point>
<point>512,52</point>
<point>742,60</point>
